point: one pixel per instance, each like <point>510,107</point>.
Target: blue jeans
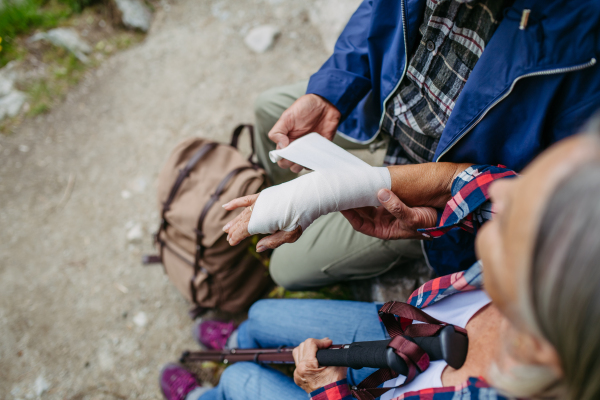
<point>289,322</point>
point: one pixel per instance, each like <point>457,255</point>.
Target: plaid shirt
<point>468,209</point>
<point>428,294</point>
<point>469,206</point>
<point>454,34</point>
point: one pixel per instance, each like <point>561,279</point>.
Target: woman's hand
<point>308,375</point>
<point>237,229</point>
<point>394,220</point>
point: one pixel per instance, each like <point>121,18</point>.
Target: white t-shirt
<point>457,309</point>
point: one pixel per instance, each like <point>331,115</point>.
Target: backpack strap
<point>235,136</point>
<point>183,173</point>
<point>200,235</point>
<point>398,319</point>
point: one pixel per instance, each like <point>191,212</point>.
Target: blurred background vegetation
<point>19,17</point>
<point>44,71</point>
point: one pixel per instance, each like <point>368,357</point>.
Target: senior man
<point>483,82</point>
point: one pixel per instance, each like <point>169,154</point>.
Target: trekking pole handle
<point>358,355</point>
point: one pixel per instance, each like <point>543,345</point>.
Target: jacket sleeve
<point>345,77</point>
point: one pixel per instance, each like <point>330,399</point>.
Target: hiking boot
<point>176,382</point>
<point>213,335</point>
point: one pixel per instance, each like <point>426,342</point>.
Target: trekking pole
<point>448,345</point>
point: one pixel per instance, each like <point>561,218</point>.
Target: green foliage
<point>78,5</point>
<point>24,16</point>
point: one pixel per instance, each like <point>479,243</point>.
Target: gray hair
<point>560,300</point>
<point>565,277</point>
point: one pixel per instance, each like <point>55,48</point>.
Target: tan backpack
<point>199,177</point>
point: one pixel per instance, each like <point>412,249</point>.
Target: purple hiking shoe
<point>176,382</point>
<point>213,335</point>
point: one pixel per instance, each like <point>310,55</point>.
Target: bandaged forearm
<point>339,181</point>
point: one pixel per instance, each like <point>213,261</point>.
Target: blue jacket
<point>529,89</point>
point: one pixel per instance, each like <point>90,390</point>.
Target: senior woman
<point>538,337</point>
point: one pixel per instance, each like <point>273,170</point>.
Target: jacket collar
<point>559,34</point>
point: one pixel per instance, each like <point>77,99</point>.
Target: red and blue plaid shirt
<point>468,209</point>
<point>469,206</point>
<point>428,294</point>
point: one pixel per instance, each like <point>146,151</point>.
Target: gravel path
<point>73,182</point>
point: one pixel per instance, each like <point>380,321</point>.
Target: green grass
<point>20,17</point>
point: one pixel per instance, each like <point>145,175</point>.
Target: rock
<point>135,233</point>
<point>261,38</point>
<point>41,385</point>
<point>134,14</point>
<point>330,17</point>
<point>23,148</point>
<point>11,100</point>
<point>11,104</point>
<point>66,38</point>
<point>140,319</point>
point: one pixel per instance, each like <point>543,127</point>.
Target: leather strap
<point>184,173</point>
<point>413,355</point>
<point>235,136</point>
<point>199,231</point>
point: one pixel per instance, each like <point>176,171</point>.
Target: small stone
<point>134,14</point>
<point>23,148</point>
<point>41,385</point>
<point>11,104</point>
<point>261,38</point>
<point>126,194</point>
<point>135,233</point>
<point>140,319</point>
<point>66,38</point>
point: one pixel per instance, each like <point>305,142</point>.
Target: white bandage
<point>340,181</point>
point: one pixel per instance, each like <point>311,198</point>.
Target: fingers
<point>245,201</point>
<point>277,239</point>
<point>353,217</point>
<point>279,133</point>
<point>237,230</point>
<point>392,203</point>
<point>295,168</point>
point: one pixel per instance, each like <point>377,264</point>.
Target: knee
<point>284,274</point>
<point>259,309</point>
<point>281,276</point>
<point>235,374</point>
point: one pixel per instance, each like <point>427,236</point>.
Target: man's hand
<point>394,220</point>
<point>308,375</point>
<point>310,113</point>
<point>237,229</point>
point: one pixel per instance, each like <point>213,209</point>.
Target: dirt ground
<point>74,181</point>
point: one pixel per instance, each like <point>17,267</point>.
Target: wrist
<point>322,100</point>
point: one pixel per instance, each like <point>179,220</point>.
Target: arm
<point>301,202</point>
<point>427,184</point>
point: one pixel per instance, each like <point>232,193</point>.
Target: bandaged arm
<point>339,181</point>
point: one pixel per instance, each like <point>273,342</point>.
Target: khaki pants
<point>330,250</point>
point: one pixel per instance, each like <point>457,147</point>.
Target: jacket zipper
<point>547,72</point>
<point>395,88</point>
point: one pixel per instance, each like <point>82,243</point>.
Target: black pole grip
<point>359,355</point>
